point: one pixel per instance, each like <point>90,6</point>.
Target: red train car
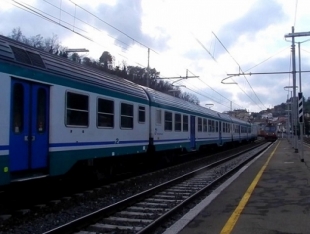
<point>270,132</point>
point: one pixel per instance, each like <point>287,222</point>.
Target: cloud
<point>126,18</point>
<point>252,31</point>
<point>261,15</point>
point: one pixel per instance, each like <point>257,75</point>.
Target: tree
<point>17,35</point>
<point>37,42</point>
<point>52,45</point>
<point>75,57</point>
<point>86,61</point>
<point>107,59</point>
<point>190,98</point>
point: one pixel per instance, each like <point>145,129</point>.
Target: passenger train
<point>270,132</point>
<point>56,115</point>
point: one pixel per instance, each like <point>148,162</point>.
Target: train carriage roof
<point>170,102</point>
<point>239,121</point>
<point>225,117</point>
<point>14,51</point>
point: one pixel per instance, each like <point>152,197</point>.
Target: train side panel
<point>169,116</point>
<point>174,133</point>
<point>4,126</point>
<point>70,143</point>
<point>207,131</point>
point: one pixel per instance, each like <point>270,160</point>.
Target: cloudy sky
<point>208,38</point>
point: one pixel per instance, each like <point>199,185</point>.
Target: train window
<point>216,126</point>
<point>41,110</point>
<point>199,124</point>
<point>77,109</point>
<point>211,125</point>
<point>141,114</point>
<point>158,116</point>
<point>205,125</point>
<point>18,108</point>
<point>126,116</point>
<point>185,123</point>
<point>237,129</point>
<point>177,122</point>
<point>168,121</point>
<point>105,113</point>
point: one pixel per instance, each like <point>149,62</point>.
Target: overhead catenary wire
<point>206,96</point>
<point>215,90</point>
<point>73,27</point>
<point>265,60</point>
<point>35,11</point>
<point>120,31</point>
<point>75,18</point>
<point>239,68</point>
<point>225,71</point>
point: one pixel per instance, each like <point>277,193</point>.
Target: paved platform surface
<point>268,196</point>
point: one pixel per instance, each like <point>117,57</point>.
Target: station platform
<point>270,195</point>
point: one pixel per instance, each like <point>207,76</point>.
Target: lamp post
<point>293,139</point>
<point>293,35</point>
<point>293,115</point>
<point>301,123</point>
<point>288,123</point>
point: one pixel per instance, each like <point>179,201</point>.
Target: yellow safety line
<point>235,215</point>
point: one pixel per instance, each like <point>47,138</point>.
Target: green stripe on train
<point>62,161</point>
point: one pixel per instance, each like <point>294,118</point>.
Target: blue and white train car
<point>55,113</point>
<point>176,123</point>
<point>241,130</point>
<point>226,129</point>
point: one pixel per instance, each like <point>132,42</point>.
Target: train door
<point>220,133</point>
<point>193,129</point>
<point>29,126</point>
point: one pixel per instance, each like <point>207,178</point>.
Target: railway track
<point>144,212</point>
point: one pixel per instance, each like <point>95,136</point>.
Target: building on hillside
<point>267,116</point>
